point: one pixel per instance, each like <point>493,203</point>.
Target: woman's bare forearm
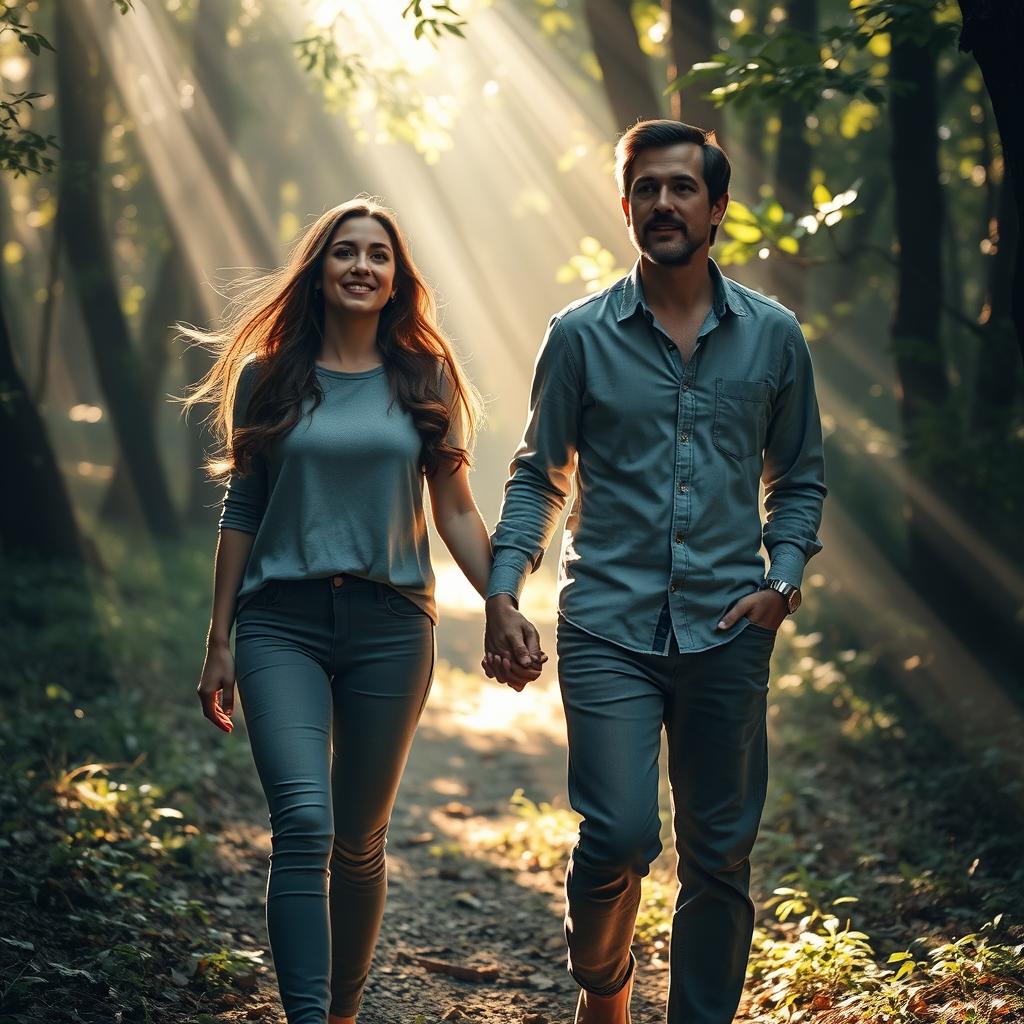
<point>233,547</point>
<point>466,537</point>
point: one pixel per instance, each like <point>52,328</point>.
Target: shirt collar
<point>724,298</point>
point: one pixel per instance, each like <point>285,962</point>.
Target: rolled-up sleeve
<point>245,499</point>
<point>541,471</point>
<point>794,468</point>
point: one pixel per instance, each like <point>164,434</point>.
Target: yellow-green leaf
<point>748,233</point>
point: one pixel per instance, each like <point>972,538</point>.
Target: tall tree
<point>794,156</point>
<point>624,66</point>
<point>993,31</point>
<point>36,518</point>
<point>998,378</point>
<point>82,92</point>
<point>692,41</point>
<point>916,339</point>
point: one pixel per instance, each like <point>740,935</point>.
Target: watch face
<point>794,601</point>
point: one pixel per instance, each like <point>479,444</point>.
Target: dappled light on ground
<point>487,714</point>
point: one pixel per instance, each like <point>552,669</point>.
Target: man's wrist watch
<point>787,590</point>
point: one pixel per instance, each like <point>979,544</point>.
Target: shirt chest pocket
<point>741,416</point>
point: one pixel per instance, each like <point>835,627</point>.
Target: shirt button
<point>684,437</point>
<point>679,538</point>
<point>682,488</point>
<point>673,588</point>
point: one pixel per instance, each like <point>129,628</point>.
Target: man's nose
<point>664,200</point>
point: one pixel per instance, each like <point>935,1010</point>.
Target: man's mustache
<point>663,223</point>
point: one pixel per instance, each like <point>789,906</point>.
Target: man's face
<point>667,209</point>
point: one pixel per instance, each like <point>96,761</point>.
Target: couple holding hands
<point>668,399</point>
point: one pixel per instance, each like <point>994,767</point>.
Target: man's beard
<point>675,253</point>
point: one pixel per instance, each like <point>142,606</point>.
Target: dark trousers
<point>712,705</point>
<point>333,675</point>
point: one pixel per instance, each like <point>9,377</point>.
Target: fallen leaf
<point>461,971</point>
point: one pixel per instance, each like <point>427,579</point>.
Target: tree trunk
<point>793,161</point>
<point>794,156</point>
<point>918,201</point>
<point>167,303</point>
<point>999,374</point>
<point>624,66</point>
<point>692,41</point>
<point>994,32</point>
<point>214,78</point>
<point>36,517</point>
<point>748,175</point>
<point>82,89</point>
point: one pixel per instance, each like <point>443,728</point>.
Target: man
<point>670,396</point>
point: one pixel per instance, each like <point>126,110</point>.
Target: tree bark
<point>993,31</point>
<point>692,41</point>
<point>794,156</point>
<point>168,302</point>
<point>793,161</point>
<point>36,517</point>
<point>82,89</point>
<point>998,378</point>
<point>919,211</point>
<point>624,67</point>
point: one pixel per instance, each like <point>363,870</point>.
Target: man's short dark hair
<point>657,134</point>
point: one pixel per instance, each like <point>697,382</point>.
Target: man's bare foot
<point>335,1019</point>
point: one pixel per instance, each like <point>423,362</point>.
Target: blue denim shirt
<point>665,531</point>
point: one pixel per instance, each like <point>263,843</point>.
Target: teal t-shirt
<point>342,492</point>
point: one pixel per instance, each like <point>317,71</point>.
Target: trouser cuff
<point>608,990</point>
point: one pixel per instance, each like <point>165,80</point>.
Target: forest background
<point>155,153</point>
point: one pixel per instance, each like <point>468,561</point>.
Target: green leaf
<point>748,233</point>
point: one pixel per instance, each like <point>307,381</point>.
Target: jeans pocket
<point>741,417</point>
<point>401,606</point>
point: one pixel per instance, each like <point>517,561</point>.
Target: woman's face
<point>358,274</point>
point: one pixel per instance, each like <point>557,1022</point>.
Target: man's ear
<point>625,208</point>
<point>718,208</point>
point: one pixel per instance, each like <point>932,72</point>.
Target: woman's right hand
<point>217,686</point>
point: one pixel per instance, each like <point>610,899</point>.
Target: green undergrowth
<point>887,872</point>
<point>111,784</point>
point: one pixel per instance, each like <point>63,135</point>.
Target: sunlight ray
<point>148,72</point>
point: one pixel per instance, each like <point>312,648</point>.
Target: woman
<point>337,394</point>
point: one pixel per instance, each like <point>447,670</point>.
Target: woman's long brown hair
<point>278,321</point>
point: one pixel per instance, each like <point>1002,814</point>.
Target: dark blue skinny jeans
<point>333,675</point>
